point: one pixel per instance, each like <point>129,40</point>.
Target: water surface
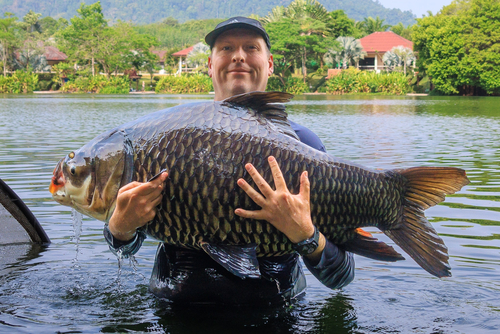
<point>75,285</point>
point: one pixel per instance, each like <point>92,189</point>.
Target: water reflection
<point>67,288</point>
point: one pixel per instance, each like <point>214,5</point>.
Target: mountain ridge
<point>150,11</point>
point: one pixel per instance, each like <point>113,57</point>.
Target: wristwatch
<point>308,246</point>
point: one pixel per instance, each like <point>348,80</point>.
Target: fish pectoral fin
<point>365,244</point>
<point>238,260</point>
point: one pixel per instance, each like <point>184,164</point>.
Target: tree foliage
<point>7,38</point>
<point>460,47</point>
<point>89,38</point>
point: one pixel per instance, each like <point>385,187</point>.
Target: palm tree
<point>371,25</point>
<point>298,9</point>
<point>351,51</point>
<point>399,56</point>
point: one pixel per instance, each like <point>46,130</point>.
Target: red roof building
<point>161,55</point>
<point>53,55</point>
<point>377,44</point>
<point>183,53</point>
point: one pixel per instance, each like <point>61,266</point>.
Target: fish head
<point>88,179</point>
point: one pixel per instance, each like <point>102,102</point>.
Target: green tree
<point>459,48</point>
<point>7,37</point>
<point>31,45</point>
<point>339,24</point>
<point>306,36</point>
<point>85,36</point>
<point>402,31</point>
<point>370,25</point>
<point>49,26</point>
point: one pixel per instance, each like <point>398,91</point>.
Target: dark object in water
<point>17,222</point>
<point>205,146</point>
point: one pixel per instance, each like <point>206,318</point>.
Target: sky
<point>418,7</point>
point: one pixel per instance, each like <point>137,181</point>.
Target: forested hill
<point>149,11</point>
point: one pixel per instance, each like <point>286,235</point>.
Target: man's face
<point>239,63</point>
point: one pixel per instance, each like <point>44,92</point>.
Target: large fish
<point>204,147</point>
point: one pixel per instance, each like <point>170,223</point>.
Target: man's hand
<point>135,206</point>
<point>291,214</point>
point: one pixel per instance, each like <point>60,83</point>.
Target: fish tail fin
<point>426,187</point>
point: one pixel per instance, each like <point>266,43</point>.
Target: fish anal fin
<point>241,261</point>
<point>365,244</point>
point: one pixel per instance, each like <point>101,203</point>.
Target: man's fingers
<point>259,180</point>
<point>251,192</point>
<point>258,214</point>
<point>305,186</point>
<point>129,186</point>
<point>278,178</point>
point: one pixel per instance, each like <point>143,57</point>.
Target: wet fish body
<point>204,147</point>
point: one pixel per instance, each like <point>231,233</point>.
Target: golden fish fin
<point>426,186</point>
<point>241,261</point>
<point>268,105</point>
<point>365,244</point>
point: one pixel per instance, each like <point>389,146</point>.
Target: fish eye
<point>72,170</point>
<point>71,155</point>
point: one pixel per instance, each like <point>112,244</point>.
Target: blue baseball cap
<point>237,22</point>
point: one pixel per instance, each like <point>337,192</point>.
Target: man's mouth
<point>239,70</point>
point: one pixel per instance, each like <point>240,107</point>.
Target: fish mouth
<point>58,180</point>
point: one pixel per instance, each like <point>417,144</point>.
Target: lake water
<point>75,285</point>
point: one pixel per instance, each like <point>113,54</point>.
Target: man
<point>240,62</point>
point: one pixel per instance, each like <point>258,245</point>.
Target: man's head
<point>240,59</point>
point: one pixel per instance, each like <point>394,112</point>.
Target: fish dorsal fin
<point>269,105</point>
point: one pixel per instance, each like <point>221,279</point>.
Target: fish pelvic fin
<point>366,245</point>
<point>241,261</point>
<point>268,105</point>
<point>426,187</point>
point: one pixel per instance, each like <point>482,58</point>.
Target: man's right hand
<point>135,207</point>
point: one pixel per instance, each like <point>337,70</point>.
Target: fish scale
<point>190,155</point>
<point>205,146</point>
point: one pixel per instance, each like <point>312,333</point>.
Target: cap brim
<point>212,36</point>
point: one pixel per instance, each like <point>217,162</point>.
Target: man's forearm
<point>335,268</point>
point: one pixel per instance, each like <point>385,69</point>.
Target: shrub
<point>198,83</point>
<point>19,82</point>
<point>292,85</point>
<point>356,81</point>
<point>98,84</point>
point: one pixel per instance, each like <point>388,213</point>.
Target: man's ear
<point>271,65</point>
<point>210,71</point>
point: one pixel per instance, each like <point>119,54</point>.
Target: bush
<point>19,82</point>
<point>198,83</point>
<point>44,85</point>
<point>98,84</point>
<point>353,80</point>
<point>292,85</point>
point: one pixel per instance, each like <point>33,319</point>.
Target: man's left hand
<point>291,214</point>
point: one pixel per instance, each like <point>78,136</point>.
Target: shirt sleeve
<point>124,249</point>
<point>335,268</point>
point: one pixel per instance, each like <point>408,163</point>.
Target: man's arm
<point>135,206</point>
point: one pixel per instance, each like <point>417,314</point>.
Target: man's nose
<point>239,56</point>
